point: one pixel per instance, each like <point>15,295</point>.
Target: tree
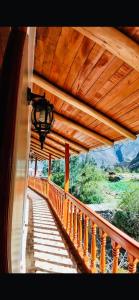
<point>89,184</point>
<point>45,168</point>
<point>127,217</point>
<point>58,172</point>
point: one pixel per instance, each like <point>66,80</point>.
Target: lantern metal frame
<point>39,103</point>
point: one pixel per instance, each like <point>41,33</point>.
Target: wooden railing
<point>89,232</point>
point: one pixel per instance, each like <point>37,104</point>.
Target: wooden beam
<point>34,134</point>
<point>43,157</point>
<point>71,143</point>
<point>66,186</point>
<point>38,154</point>
<point>38,157</point>
<point>46,153</point>
<point>82,129</point>
<point>114,41</point>
<point>85,108</point>
<point>35,143</point>
<point>50,148</point>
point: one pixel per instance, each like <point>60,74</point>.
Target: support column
<point>35,170</point>
<point>49,175</point>
<point>66,185</point>
<point>49,168</point>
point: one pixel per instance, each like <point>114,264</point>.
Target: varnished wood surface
<point>93,75</point>
<point>88,219</point>
<point>13,149</point>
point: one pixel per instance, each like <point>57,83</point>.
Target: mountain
<point>134,164</point>
<point>121,153</point>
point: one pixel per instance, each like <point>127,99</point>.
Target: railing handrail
<point>56,186</point>
<point>116,235</point>
<point>125,241</point>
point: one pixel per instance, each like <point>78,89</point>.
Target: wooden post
<point>75,226</point>
<point>49,168</point>
<point>35,170</point>
<point>80,248</point>
<point>93,249</point>
<point>132,263</point>
<point>103,251</point>
<point>115,252</point>
<point>66,186</point>
<point>85,239</point>
<point>49,174</point>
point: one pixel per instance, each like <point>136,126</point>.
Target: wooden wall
<point>14,149</point>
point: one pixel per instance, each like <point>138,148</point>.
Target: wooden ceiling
<point>91,75</point>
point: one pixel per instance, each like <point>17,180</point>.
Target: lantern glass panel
<point>41,116</point>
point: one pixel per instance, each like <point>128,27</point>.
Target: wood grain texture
<point>115,42</point>
<point>94,74</point>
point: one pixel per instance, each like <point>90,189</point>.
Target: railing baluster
<point>58,204</point>
<point>68,217</point>
<point>103,251</point>
<point>132,263</point>
<point>65,213</point>
<point>115,252</point>
<point>64,205</point>
<point>86,239</point>
<point>80,234</point>
<point>93,248</point>
<point>71,221</point>
<point>75,227</point>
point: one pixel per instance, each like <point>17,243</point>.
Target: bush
<point>58,178</point>
<point>89,184</point>
<point>127,222</point>
<point>127,218</point>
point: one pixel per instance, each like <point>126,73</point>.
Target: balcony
<point>85,233</point>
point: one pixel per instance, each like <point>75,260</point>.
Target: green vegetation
<point>90,184</point>
<point>127,217</point>
<point>58,172</point>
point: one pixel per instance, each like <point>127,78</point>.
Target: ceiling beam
<point>114,41</point>
<point>35,155</point>
<point>82,129</point>
<point>84,108</point>
<point>73,144</point>
<point>49,148</point>
<point>33,133</point>
<point>45,151</point>
<point>43,156</point>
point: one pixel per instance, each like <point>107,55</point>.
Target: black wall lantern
<point>42,114</point>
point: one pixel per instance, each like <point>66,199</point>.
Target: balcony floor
<point>47,251</point>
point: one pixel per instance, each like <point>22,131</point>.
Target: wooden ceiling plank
<point>79,61</point>
<point>83,107</point>
<point>34,135</point>
<point>114,41</point>
<point>57,144</point>
<point>50,43</point>
<point>82,129</point>
<point>45,151</point>
<point>71,143</point>
<point>43,155</point>
<point>35,147</point>
<point>54,150</point>
<point>61,145</point>
<point>36,155</point>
